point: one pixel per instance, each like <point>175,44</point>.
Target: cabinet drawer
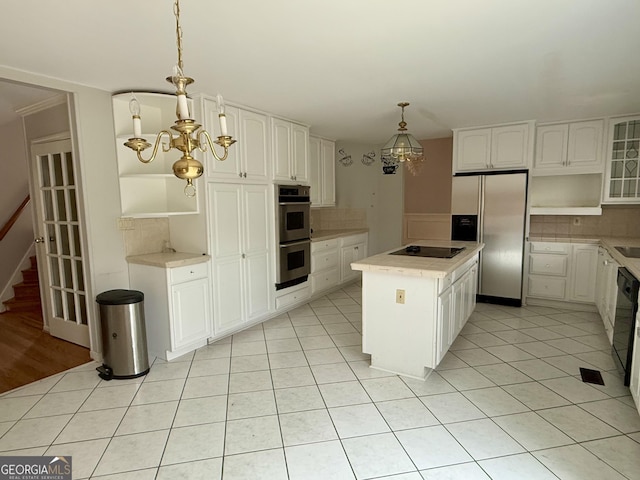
<point>324,280</point>
<point>550,247</point>
<point>293,297</point>
<point>324,260</point>
<point>190,272</point>
<point>543,264</point>
<point>547,287</point>
<point>354,239</point>
<point>321,245</point>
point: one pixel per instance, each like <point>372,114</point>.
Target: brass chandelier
<point>189,136</point>
<point>403,147</point>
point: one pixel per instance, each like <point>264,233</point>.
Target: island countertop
<point>419,266</point>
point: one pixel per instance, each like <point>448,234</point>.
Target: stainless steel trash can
<point>124,338</point>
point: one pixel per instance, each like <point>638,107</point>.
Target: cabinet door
<point>225,221</point>
<point>445,324</point>
<point>551,146</point>
<point>328,173</point>
<point>473,149</point>
<point>257,221</point>
<point>459,307</point>
<point>255,145</point>
<point>584,265</point>
<point>230,167</point>
<point>585,144</point>
<point>315,172</point>
<point>621,184</point>
<point>300,153</point>
<point>509,146</point>
<point>635,367</point>
<point>191,316</point>
<point>347,257</point>
<point>281,134</point>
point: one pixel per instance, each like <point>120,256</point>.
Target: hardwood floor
<point>27,353</point>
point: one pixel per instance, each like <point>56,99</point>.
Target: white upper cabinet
<point>322,172</point>
<point>290,151</point>
<point>499,147</point>
<point>569,148</point>
<point>247,158</point>
<point>623,146</point>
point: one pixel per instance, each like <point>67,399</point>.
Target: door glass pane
<point>68,276</point>
<point>69,169</point>
<point>71,307</point>
<point>76,241</point>
<point>57,303</point>
<point>633,130</point>
<point>620,131</point>
<point>616,169</point>
<point>618,150</point>
<point>55,271</point>
<point>632,149</point>
<point>61,204</point>
<point>615,188</point>
<point>56,159</point>
<point>51,237</point>
<point>64,240</point>
<point>44,168</point>
<point>629,188</point>
<point>83,309</point>
<point>73,208</point>
<point>47,199</point>
<point>79,276</point>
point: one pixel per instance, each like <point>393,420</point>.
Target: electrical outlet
<point>400,296</point>
<point>125,223</point>
<point>577,221</point>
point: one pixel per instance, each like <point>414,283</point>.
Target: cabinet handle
<point>547,265</point>
<point>245,175</point>
<point>244,256</point>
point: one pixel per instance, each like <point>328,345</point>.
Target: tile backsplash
<point>147,236</point>
<point>615,221</point>
<point>338,218</point>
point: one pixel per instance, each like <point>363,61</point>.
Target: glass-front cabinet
<point>622,185</point>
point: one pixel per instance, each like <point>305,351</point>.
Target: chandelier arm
<point>155,147</point>
<point>203,146</point>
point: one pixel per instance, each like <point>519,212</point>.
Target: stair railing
<point>7,226</point>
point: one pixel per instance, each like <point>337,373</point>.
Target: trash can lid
<point>120,297</point>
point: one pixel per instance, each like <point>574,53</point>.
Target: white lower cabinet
<point>176,305</point>
<point>240,218</point>
<point>635,366</point>
<point>563,271</point>
<point>352,249</point>
<point>455,305</point>
<point>325,269</point>
<point>607,289</point>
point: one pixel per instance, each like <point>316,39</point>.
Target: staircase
<point>26,293</point>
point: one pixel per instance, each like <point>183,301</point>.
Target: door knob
<point>39,240</point>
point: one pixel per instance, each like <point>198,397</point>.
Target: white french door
<point>59,241</point>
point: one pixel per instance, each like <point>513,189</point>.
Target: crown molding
<point>42,105</point>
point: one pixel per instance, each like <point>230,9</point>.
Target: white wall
<point>92,118</point>
<point>361,186</point>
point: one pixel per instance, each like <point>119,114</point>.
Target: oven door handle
<point>294,244</point>
<point>294,203</point>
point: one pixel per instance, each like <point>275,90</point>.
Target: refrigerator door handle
<point>481,209</point>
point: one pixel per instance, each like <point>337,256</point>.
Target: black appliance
<point>464,228</point>
<point>625,322</point>
<point>433,252</point>
<point>293,230</point>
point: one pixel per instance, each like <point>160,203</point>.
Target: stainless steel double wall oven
<point>293,230</point>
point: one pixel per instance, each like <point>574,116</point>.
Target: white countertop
<point>168,260</point>
<point>419,266</point>
<point>631,264</point>
<point>320,235</point>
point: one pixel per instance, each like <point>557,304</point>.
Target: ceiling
<point>342,66</point>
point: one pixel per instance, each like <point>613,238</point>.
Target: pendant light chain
<point>176,12</point>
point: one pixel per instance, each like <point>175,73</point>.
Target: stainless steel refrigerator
<point>491,208</point>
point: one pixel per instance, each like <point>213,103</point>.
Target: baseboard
<point>578,307</point>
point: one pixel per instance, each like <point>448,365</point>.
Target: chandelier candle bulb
<point>134,108</point>
<point>183,107</point>
<point>221,116</point>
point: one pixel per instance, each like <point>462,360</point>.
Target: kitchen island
<point>414,307</point>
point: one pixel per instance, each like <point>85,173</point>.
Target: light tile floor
<point>294,398</point>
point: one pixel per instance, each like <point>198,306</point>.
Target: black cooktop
<point>434,252</point>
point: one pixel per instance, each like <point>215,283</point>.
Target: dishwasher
<point>625,322</point>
